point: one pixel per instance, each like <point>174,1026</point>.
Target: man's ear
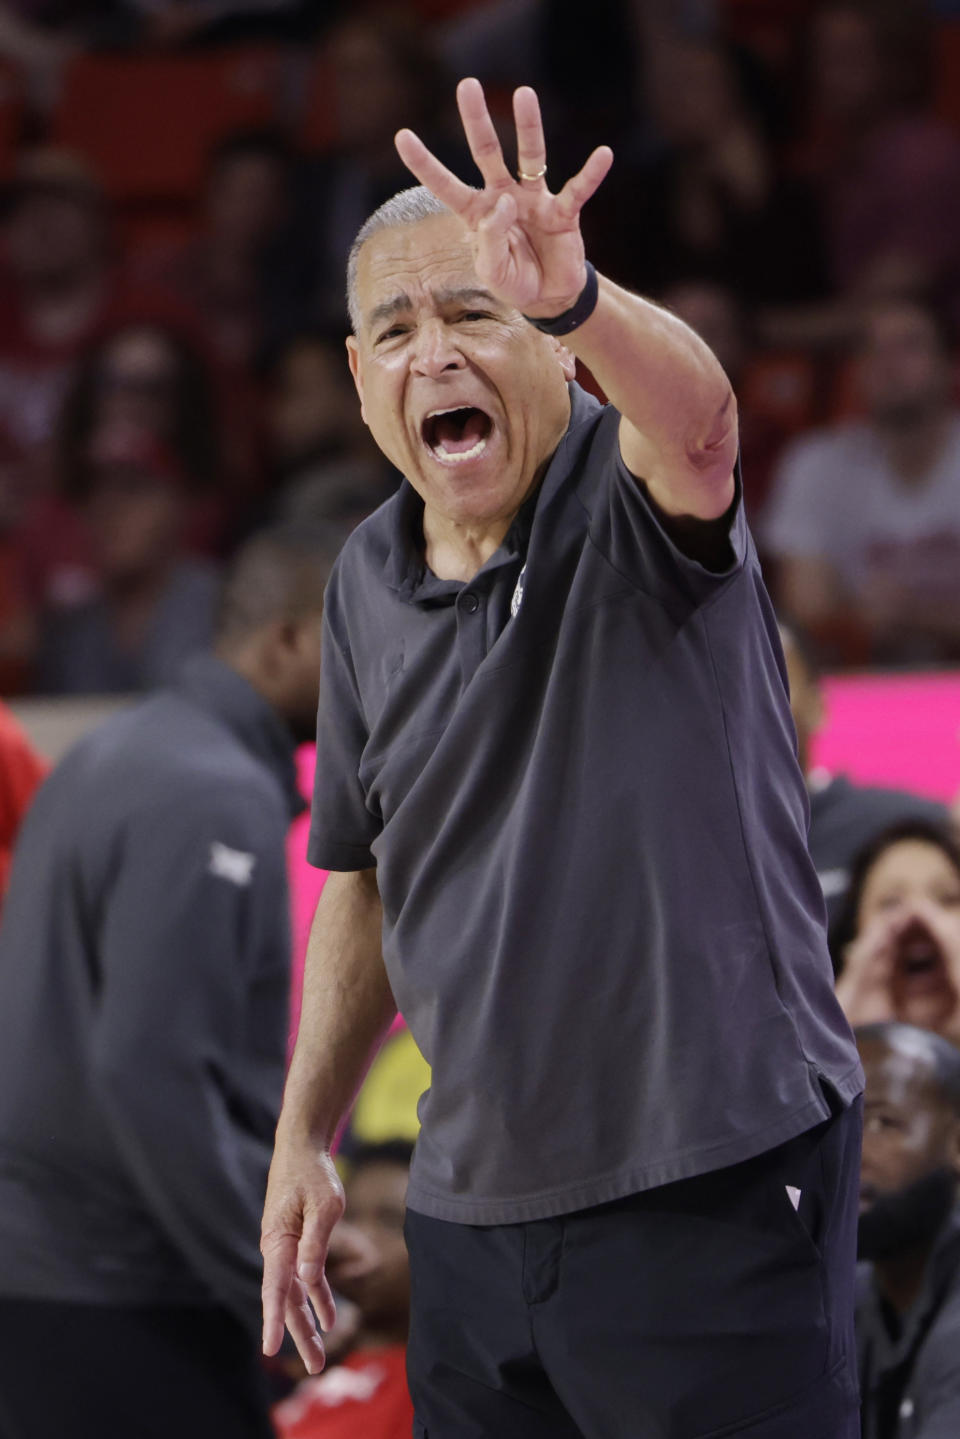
<point>353,360</point>
<point>568,363</point>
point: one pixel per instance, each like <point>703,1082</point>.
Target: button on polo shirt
<point>600,918</point>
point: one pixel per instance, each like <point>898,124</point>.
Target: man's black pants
<point>86,1371</point>
<point>706,1308</point>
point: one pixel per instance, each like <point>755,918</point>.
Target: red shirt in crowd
<point>365,1395</point>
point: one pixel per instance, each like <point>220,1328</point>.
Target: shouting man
<point>558,788</point>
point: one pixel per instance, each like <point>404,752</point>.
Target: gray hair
<point>408,207</point>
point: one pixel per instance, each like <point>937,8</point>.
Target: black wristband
<point>579,311</point>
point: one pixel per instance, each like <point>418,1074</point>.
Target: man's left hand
<point>528,249</point>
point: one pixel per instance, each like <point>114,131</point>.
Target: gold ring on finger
<point>522,174</point>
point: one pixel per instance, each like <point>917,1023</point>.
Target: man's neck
<point>456,551</point>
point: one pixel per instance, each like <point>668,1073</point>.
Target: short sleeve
<point>342,828</point>
<point>634,537</point>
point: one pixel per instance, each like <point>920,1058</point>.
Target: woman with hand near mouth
<point>896,945</point>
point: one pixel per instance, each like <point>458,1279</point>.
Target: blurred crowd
<point>181,182</point>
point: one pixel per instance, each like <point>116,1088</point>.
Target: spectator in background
<point>864,518</point>
<point>144,375</point>
<point>908,1311</point>
<point>843,816</point>
<point>896,942</point>
<point>777,392</point>
<point>153,603</point>
<point>143,389</point>
<point>709,200</point>
<point>56,282</point>
<point>366,1394</point>
<point>886,170</point>
<point>144,959</point>
<point>232,274</point>
<point>388,59</point>
<point>324,464</point>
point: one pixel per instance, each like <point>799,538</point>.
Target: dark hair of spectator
<point>924,831</point>
<point>942,1057</point>
<point>280,573</point>
<point>262,143</point>
<point>195,440</point>
<point>387,1151</point>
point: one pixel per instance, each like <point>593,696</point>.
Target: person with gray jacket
<point>144,964</point>
<point>908,1300</point>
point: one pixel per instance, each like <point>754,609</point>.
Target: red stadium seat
<point>147,123</point>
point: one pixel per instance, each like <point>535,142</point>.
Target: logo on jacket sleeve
<point>234,865</point>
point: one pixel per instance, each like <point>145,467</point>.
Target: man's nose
<point>435,349</point>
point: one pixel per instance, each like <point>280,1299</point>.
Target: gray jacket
<point>144,968</point>
<point>910,1382</point>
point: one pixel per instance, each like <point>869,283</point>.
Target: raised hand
<point>528,249</point>
<point>865,987</point>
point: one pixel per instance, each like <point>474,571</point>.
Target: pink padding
<point>896,730</point>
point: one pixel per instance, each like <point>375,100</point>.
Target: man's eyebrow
<point>463,295</point>
<point>387,309</point>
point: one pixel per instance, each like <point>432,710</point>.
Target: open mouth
<point>458,434</point>
<point>918,955</point>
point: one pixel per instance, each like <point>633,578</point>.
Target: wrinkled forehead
<point>431,256</point>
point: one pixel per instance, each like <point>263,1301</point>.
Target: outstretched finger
<point>585,183</point>
<point>481,134</point>
<point>279,1276</point>
<point>531,144</point>
<point>423,164</point>
<point>303,1328</point>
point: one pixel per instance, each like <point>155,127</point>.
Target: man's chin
<point>909,1219</point>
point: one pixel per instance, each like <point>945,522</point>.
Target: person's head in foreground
<point>911,1146</point>
<point>896,944</point>
<point>376,1192</point>
<point>270,617</point>
<point>464,396</point>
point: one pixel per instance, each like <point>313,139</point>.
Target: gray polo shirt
<point>576,775</point>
